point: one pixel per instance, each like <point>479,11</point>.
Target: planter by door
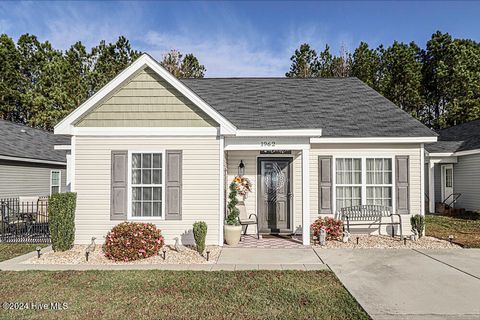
<point>232,234</point>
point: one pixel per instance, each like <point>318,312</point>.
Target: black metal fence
<point>24,220</point>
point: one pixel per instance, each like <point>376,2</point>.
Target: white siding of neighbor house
<point>27,179</point>
<point>250,160</point>
<point>352,150</point>
<point>466,180</point>
<point>200,197</point>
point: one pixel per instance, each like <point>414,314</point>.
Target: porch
<point>278,170</point>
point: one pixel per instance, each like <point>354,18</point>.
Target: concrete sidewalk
<point>410,284</point>
<point>231,259</point>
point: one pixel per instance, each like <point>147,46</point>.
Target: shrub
<point>200,233</point>
<point>61,220</point>
<point>418,223</point>
<point>332,226</point>
<point>233,212</point>
<point>130,241</point>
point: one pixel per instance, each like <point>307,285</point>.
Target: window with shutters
<point>364,180</point>
<point>147,184</point>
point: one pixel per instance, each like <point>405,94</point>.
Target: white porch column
<point>422,180</point>
<point>222,190</point>
<point>306,196</point>
<point>431,190</point>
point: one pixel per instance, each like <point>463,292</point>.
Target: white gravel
<point>387,242</point>
<point>76,255</point>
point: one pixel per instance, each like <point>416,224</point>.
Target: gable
<point>146,100</point>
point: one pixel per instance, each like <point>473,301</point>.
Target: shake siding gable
<point>200,176</point>
<point>146,101</point>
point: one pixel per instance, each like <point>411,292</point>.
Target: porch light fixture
<point>241,168</point>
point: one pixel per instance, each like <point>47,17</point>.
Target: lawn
<point>155,294</point>
<point>466,231</point>
<point>12,250</point>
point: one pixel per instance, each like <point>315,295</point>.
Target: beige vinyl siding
<point>352,150</point>
<point>146,101</point>
<point>250,160</point>
<point>200,197</point>
<point>27,179</point>
<point>466,180</point>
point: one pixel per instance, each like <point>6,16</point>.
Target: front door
<point>274,195</point>
<point>447,181</point>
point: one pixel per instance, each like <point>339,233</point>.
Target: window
<point>363,181</point>
<point>348,182</point>
<point>147,184</point>
<point>55,181</point>
<point>448,177</point>
<point>379,181</point>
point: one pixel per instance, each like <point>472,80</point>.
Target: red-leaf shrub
<point>332,226</point>
<point>130,241</point>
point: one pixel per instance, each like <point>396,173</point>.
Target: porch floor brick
<point>251,241</point>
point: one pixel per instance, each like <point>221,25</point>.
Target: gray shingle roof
<point>462,137</point>
<point>341,107</point>
<point>31,143</point>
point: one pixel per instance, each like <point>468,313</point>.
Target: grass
<point>155,294</point>
<point>12,250</point>
<point>465,230</point>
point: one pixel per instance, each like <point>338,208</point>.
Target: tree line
<point>438,84</point>
<point>40,85</point>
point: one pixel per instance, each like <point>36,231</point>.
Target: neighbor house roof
<point>341,107</point>
<point>462,137</point>
<point>19,141</point>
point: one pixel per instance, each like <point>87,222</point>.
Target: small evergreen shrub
<point>332,226</point>
<point>200,233</point>
<point>233,212</point>
<point>61,220</point>
<point>130,241</point>
<point>418,223</point>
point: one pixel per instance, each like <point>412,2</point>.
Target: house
<point>150,147</point>
<point>29,165</point>
<point>453,167</point>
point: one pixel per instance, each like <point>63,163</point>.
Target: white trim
<point>59,180</point>
<point>467,152</point>
<point>73,163</point>
<point>32,160</point>
<point>364,184</point>
<point>280,133</point>
<point>129,184</point>
<point>454,154</point>
<point>222,191</point>
<point>68,171</point>
<point>306,196</point>
<point>431,186</point>
<point>257,147</point>
<point>145,131</point>
<point>62,147</point>
<point>66,125</point>
<point>443,168</point>
<point>422,179</point>
<point>373,140</point>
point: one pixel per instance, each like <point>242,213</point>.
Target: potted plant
<point>232,228</point>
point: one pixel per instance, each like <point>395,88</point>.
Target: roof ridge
<point>271,78</point>
<point>25,126</point>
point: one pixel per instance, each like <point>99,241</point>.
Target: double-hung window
<point>363,180</point>
<point>55,181</point>
<point>147,184</point>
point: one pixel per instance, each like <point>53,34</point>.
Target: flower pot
<point>232,234</point>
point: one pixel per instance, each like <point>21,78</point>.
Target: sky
<point>240,38</point>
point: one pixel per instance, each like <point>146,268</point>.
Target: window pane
<point>136,159</point>
<point>157,209</point>
<point>370,177</point>
<point>388,164</point>
<point>157,176</point>
<point>55,178</point>
<point>146,160</point>
<point>357,178</point>
<point>339,178</point>
<point>339,165</point>
<point>157,193</point>
<point>147,193</point>
<point>147,209</point>
<point>370,164</point>
<point>136,193</point>
<point>157,160</point>
<point>136,176</point>
<point>55,189</point>
<point>357,164</point>
<point>387,177</point>
<point>378,164</point>
<point>146,176</point>
<point>137,209</point>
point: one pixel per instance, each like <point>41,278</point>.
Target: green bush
<point>418,223</point>
<point>61,220</point>
<point>200,233</point>
<point>233,212</point>
<point>130,241</point>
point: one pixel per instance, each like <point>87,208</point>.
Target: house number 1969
<point>267,143</point>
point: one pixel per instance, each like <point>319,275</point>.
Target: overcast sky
<point>239,38</point>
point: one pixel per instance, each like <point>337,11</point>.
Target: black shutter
<point>173,185</point>
<point>118,196</point>
<point>325,185</point>
<point>402,178</point>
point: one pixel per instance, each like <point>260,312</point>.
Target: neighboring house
<point>29,165</point>
<point>149,147</point>
<point>453,165</point>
